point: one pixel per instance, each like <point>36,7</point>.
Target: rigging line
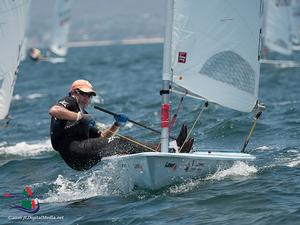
<point>205,105</point>
<point>251,131</point>
<point>176,113</point>
<point>131,140</point>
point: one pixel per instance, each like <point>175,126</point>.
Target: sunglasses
<point>85,94</point>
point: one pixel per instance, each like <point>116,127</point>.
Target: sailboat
<point>211,52</point>
<point>295,25</point>
<point>12,28</point>
<point>60,30</point>
<point>276,35</point>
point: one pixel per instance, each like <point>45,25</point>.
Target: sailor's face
<point>83,98</point>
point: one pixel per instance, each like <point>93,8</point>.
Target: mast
<point>166,78</point>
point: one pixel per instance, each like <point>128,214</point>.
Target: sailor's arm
<point>62,113</point>
<point>110,131</point>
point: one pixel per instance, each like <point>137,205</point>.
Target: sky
<point>100,20</point>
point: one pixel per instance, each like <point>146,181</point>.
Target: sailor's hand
<point>121,119</point>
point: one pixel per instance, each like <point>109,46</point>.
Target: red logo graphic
<point>182,57</point>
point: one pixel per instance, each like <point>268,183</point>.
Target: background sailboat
<point>277,26</point>
<point>60,30</point>
<point>206,56</point>
<point>12,28</point>
<point>277,45</point>
<point>295,25</point>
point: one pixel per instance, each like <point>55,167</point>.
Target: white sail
<point>214,50</point>
<point>61,27</point>
<point>23,53</point>
<point>295,22</point>
<point>277,26</point>
<point>12,27</point>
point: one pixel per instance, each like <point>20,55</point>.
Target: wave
<point>280,156</point>
<point>294,158</point>
<point>18,97</point>
<point>238,169</point>
<point>26,149</point>
<point>264,148</point>
<point>284,103</point>
<point>105,181</point>
<point>35,95</point>
<point>97,100</point>
<point>294,162</point>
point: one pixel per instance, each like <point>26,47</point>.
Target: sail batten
<point>215,47</point>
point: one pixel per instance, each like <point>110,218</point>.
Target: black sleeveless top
<point>63,132</point>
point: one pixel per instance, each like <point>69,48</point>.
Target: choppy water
<point>128,80</point>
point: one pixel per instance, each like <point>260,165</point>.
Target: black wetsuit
<point>79,143</point>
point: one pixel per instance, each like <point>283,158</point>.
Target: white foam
<point>17,97</point>
<point>106,181</point>
<point>103,126</point>
<point>238,169</point>
<point>35,95</point>
<point>264,148</point>
<point>295,162</point>
<point>67,190</point>
<point>293,151</point>
<point>27,149</point>
<point>97,100</point>
<point>185,187</point>
<point>290,158</point>
<point>284,103</point>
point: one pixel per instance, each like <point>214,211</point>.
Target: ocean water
<point>127,79</point>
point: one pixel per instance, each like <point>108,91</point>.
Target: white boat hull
<point>153,170</point>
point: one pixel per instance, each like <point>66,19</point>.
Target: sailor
<point>75,136</point>
<point>35,54</point>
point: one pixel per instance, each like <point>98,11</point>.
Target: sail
<point>61,27</point>
<point>295,22</point>
<point>23,53</point>
<point>12,27</point>
<point>277,26</point>
<point>214,50</point>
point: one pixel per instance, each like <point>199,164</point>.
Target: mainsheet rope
<point>131,140</point>
<point>205,105</point>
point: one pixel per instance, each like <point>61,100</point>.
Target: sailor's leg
<point>82,155</point>
<point>182,139</point>
<point>182,135</point>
